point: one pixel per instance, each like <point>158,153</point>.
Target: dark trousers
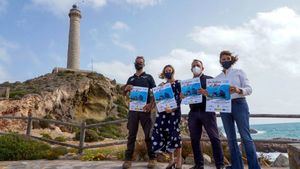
<point>208,120</point>
<point>133,125</point>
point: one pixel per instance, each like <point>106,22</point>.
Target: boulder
<point>253,131</point>
<point>281,161</point>
<point>207,159</point>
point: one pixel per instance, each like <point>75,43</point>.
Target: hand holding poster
<point>218,99</point>
<point>138,98</point>
<point>189,89</point>
<point>164,97</point>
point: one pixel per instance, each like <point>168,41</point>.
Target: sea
<point>276,130</point>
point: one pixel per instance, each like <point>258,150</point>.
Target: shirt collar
<point>140,74</point>
<point>228,70</point>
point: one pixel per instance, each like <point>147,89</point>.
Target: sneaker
<point>126,165</point>
<point>151,164</point>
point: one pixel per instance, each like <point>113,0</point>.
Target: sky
<point>265,35</point>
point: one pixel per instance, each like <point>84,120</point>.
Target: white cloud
<point>3,75</point>
<point>62,7</point>
<point>4,47</point>
<point>268,47</point>
<point>180,58</point>
<point>143,3</point>
<point>122,44</point>
<point>3,5</point>
<point>5,58</point>
<point>270,39</point>
<point>120,26</point>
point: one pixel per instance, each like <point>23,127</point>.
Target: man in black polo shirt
<point>198,117</point>
<point>141,79</point>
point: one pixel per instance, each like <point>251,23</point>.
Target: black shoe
<point>197,167</point>
<point>171,166</point>
<point>228,167</point>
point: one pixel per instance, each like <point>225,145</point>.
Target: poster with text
<point>164,97</point>
<point>138,98</point>
<point>218,99</point>
<point>189,89</point>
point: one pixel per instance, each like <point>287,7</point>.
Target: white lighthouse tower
<point>74,39</point>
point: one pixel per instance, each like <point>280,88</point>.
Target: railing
<point>82,126</point>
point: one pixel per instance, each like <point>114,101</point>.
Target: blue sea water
<point>279,130</point>
<point>270,131</point>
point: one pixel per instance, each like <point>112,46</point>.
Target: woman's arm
<point>245,88</point>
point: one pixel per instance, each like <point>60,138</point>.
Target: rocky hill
<point>67,96</point>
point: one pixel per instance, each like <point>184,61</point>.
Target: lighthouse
<point>74,39</point>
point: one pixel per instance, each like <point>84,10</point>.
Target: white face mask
<point>197,70</point>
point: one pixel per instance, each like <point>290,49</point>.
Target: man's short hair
<point>140,57</point>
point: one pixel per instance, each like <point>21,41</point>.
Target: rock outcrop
<point>67,96</point>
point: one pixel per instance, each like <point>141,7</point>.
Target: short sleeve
<point>151,82</point>
<point>129,81</point>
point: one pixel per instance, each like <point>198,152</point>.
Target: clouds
<point>122,44</point>
<point>118,25</point>
<point>270,39</point>
<point>62,7</point>
<point>268,48</point>
<point>180,58</point>
<point>143,3</point>
<point>5,57</point>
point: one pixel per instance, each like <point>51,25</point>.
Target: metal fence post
<point>82,137</point>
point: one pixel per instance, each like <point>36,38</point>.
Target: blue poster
<point>219,98</point>
<point>138,98</point>
<point>164,97</point>
<point>189,89</point>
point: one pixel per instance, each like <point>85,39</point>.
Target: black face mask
<point>138,66</point>
<point>168,75</point>
<point>226,64</point>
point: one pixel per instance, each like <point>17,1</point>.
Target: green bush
<point>55,152</point>
<point>90,136</point>
<point>60,139</point>
<point>17,94</point>
<point>16,147</point>
<point>46,136</point>
<point>123,111</point>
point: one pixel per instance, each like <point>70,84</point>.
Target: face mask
<point>196,70</point>
<point>168,75</point>
<point>138,66</point>
<point>226,64</point>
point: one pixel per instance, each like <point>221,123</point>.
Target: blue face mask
<point>168,75</point>
<point>226,64</point>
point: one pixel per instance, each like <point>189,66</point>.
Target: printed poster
<point>164,97</point>
<point>189,89</point>
<point>218,99</point>
<point>138,98</point>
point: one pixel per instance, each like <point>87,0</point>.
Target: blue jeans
<point>240,115</point>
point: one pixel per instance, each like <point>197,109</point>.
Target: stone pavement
<point>75,164</point>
